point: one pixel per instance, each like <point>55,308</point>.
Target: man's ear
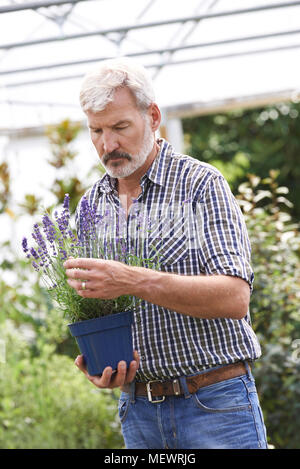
<point>155,114</point>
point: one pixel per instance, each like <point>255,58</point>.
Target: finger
<point>77,273</point>
<point>94,294</point>
<point>83,285</point>
<point>74,284</point>
<point>120,376</point>
<point>80,273</point>
<point>136,357</point>
<point>102,381</point>
<point>133,367</point>
<point>80,363</point>
<point>81,263</point>
<point>108,379</point>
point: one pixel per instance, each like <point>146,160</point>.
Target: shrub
<point>46,402</point>
<point>275,305</point>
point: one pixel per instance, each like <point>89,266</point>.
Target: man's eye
<point>121,128</point>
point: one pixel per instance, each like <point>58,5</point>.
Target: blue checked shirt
<point>187,219</point>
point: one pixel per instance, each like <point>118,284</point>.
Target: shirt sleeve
<point>224,246</point>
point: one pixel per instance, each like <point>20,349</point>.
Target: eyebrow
<point>123,121</point>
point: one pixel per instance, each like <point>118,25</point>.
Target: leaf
<point>285,201</point>
<point>282,190</point>
<point>255,180</point>
<point>261,195</point>
<point>274,173</point>
<point>10,213</point>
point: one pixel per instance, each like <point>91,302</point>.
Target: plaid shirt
<point>187,218</point>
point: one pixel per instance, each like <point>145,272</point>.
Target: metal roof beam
<point>161,64</point>
<point>133,27</point>
<point>35,5</point>
<point>152,52</point>
<point>17,102</point>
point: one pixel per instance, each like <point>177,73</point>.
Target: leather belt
<point>174,388</point>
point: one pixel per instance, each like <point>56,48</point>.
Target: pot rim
<point>124,318</point>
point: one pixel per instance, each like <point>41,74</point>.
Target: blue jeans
<point>225,415</point>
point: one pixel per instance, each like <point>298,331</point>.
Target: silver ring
<point>83,285</point>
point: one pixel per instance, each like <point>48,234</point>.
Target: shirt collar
<point>107,184</point>
<point>158,170</point>
<point>156,173</point>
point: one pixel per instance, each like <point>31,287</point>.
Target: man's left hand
<point>98,278</point>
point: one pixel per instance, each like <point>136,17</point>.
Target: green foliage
<point>27,305</point>
<point>46,402</point>
<point>267,138</point>
<point>71,186</point>
<point>4,186</point>
<point>31,204</point>
<point>275,305</point>
<point>60,137</point>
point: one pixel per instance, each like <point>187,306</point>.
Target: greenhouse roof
<point>202,55</point>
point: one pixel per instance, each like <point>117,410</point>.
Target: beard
<point>120,170</point>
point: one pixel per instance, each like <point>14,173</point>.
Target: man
<point>190,384</point>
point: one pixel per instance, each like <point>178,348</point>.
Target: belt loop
<point>183,384</point>
<point>132,392</point>
<point>249,374</point>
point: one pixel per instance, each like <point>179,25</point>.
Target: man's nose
<point>110,142</point>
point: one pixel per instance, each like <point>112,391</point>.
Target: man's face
<point>121,135</point>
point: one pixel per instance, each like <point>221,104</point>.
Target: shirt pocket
<point>169,250</point>
<point>167,241</point>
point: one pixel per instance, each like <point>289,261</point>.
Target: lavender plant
<point>55,241</point>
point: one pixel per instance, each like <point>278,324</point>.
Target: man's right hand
<point>110,379</point>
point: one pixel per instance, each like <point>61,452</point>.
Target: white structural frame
<point>161,61</point>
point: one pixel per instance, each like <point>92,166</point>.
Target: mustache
<point>116,155</point>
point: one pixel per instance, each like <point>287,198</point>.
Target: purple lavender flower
<point>88,224</point>
<point>63,222</point>
<point>57,235</point>
<point>50,233</point>
<point>35,266</point>
<point>64,254</point>
<point>66,204</point>
<point>49,229</point>
<point>38,237</point>
<point>34,253</point>
<point>72,236</point>
<point>59,241</point>
<point>25,245</point>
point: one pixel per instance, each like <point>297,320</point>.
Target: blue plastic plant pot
<point>104,341</point>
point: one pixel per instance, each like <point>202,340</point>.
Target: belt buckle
<point>149,391</point>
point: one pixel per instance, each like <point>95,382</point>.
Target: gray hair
<point>99,85</point>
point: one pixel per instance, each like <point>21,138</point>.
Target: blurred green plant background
<point>46,402</point>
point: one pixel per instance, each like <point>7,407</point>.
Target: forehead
<point>123,107</point>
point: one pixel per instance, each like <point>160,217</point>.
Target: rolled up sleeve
<point>224,246</point>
